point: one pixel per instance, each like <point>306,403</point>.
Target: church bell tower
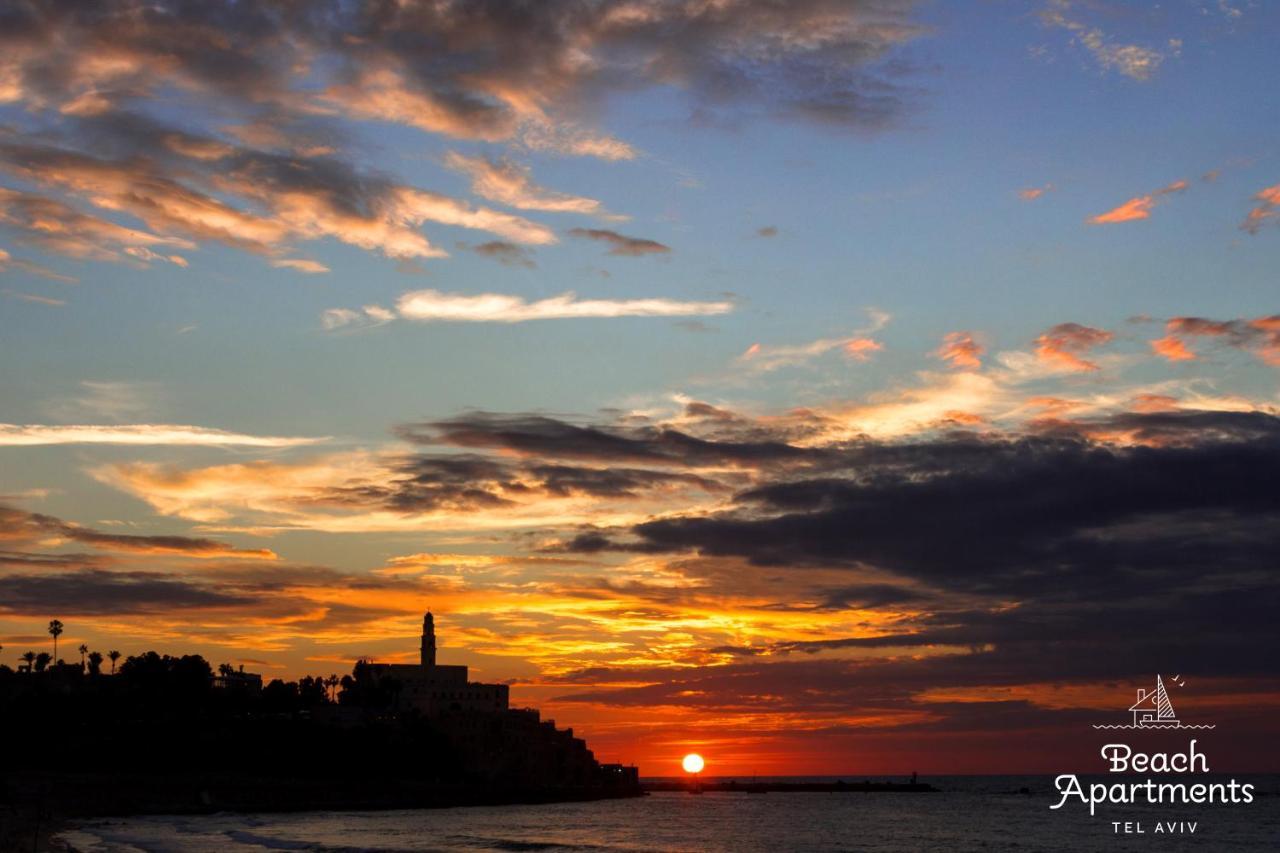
<point>428,640</point>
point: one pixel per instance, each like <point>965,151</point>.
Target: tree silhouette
<point>42,661</point>
<point>55,628</point>
<point>332,683</point>
<point>30,658</point>
<point>84,650</point>
<point>115,656</point>
<point>95,663</point>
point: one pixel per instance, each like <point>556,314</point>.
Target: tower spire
<point>428,640</point>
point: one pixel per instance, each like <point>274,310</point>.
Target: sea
<point>969,813</point>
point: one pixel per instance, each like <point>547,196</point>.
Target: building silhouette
<point>433,688</point>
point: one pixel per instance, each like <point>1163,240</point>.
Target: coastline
<point>30,822</point>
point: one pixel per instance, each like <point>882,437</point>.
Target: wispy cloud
<point>1064,346</point>
<point>30,435</point>
<point>1138,207</point>
<point>1136,61</point>
<point>508,254</point>
<point>764,358</point>
<point>58,228</point>
<point>620,244</point>
<point>1033,193</point>
<point>961,350</point>
<point>34,298</point>
<point>511,184</point>
<point>1266,209</point>
<point>1259,335</point>
<point>301,265</point>
<point>435,306</point>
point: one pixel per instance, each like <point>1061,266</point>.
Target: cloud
<point>1267,208</point>
<point>542,436</point>
<point>1260,336</point>
<point>99,593</point>
<point>1138,207</point>
<point>118,402</point>
<point>762,358</point>
<point>1135,61</point>
<point>507,254</point>
<point>272,104</point>
<point>1033,193</point>
<point>1064,345</point>
<point>58,228</point>
<point>512,184</point>
<point>434,306</point>
<point>7,261</point>
<point>621,244</point>
<point>301,265</point>
<point>765,358</point>
<point>34,298</point>
<point>257,201</point>
<point>1039,521</point>
<point>19,525</point>
<point>32,435</point>
<point>961,350</point>
<point>347,318</point>
<point>767,231</point>
<point>1171,348</point>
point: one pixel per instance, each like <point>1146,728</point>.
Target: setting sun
<point>693,763</point>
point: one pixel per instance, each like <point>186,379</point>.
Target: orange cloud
<point>1172,348</point>
<point>1138,207</point>
<point>1064,345</point>
<point>1260,336</point>
<point>1033,193</point>
<point>860,349</point>
<point>962,350</point>
<point>1154,403</point>
<point>1268,208</point>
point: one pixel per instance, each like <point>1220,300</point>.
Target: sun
<point>693,763</point>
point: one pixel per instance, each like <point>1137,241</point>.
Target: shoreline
<point>30,821</point>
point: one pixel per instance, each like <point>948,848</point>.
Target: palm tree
<point>332,683</point>
<point>84,650</point>
<point>30,658</point>
<point>115,656</point>
<point>42,661</point>
<point>55,628</point>
<point>95,663</point>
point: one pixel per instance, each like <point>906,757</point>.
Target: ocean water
<point>969,814</point>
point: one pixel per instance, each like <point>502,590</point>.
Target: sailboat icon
<point>1154,710</point>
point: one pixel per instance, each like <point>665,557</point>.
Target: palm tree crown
<point>55,628</point>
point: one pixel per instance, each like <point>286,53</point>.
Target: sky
<point>825,386</point>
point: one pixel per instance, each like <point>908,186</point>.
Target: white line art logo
<point>1154,710</point>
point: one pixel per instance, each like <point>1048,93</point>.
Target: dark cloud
<point>620,244</point>
<point>767,231</point>
<point>20,525</point>
<point>257,157</point>
<point>97,592</point>
<point>543,436</point>
<point>1049,510</point>
<point>474,483</point>
<point>470,69</point>
<point>508,254</point>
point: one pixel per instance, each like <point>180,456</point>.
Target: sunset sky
<point>822,386</point>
